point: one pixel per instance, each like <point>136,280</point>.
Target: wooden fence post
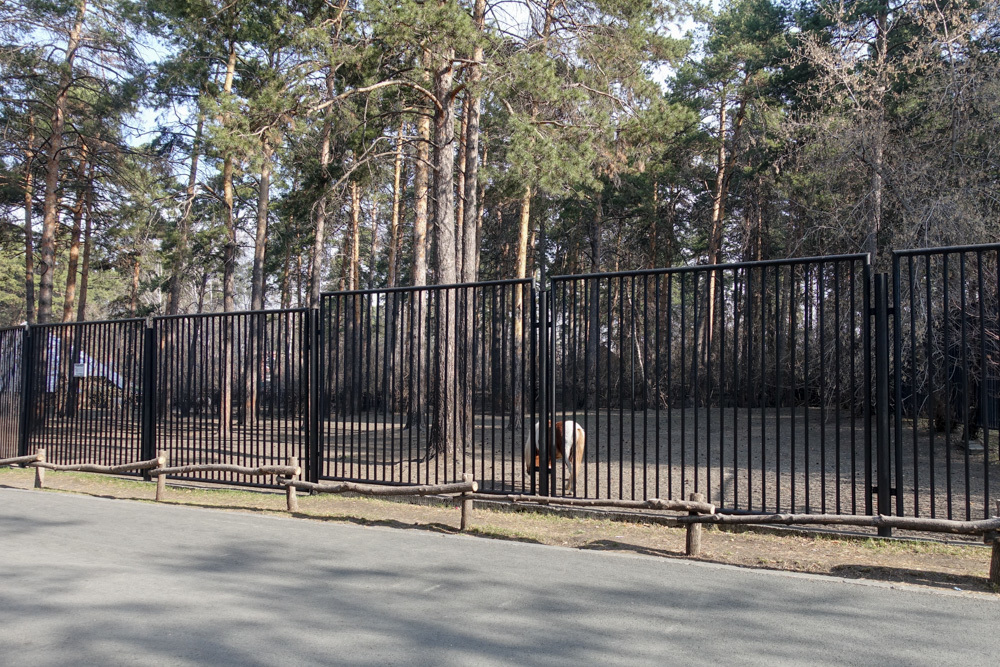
<point>40,471</point>
<point>694,529</point>
<point>161,480</point>
<point>995,554</point>
<point>466,505</point>
<point>291,497</point>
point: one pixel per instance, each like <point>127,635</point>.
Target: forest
<point>188,156</point>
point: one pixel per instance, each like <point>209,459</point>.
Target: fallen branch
<point>879,521</point>
<point>650,504</point>
<point>31,458</point>
<point>377,490</point>
<point>91,467</point>
<point>225,467</point>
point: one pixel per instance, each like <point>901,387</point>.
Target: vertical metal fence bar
<point>882,396</point>
<point>965,399</point>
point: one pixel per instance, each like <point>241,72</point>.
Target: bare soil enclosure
<point>945,565</point>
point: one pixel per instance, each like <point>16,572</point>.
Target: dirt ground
<point>947,565</point>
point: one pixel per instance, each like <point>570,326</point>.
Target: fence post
<point>148,415</point>
<point>542,438</point>
<point>39,470</point>
<point>467,505</point>
<point>897,381</point>
<point>693,541</point>
<point>882,444</point>
<point>314,324</point>
<point>27,373</point>
<point>161,479</point>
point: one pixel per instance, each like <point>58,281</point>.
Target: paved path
<point>106,582</point>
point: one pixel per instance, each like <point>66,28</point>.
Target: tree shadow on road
<point>910,576</point>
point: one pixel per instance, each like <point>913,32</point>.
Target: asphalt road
<point>91,581</point>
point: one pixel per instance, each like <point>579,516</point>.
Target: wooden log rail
<point>157,468</point>
<point>285,470</point>
<point>452,488</point>
<point>878,521</point>
<point>465,490</point>
<point>650,504</point>
<point>18,460</point>
<point>92,467</point>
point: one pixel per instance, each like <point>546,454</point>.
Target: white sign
<point>80,370</point>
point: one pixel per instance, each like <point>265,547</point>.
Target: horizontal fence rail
<point>803,386</point>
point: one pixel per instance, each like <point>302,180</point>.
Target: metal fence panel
<point>232,388</point>
<point>745,382</point>
<point>422,384</point>
<point>946,360</point>
<point>11,378</point>
<point>753,383</point>
<point>86,391</point>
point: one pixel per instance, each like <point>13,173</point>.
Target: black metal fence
<point>422,384</point>
<point>745,382</point>
<point>11,389</point>
<point>233,388</point>
<point>946,363</point>
<point>85,391</point>
<point>806,385</point>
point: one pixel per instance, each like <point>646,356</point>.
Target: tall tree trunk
<point>421,187</point>
<point>373,254</point>
<point>73,266</point>
<point>29,241</point>
<point>460,191</point>
<point>470,210</point>
<point>594,316</point>
<point>81,313</point>
<point>353,272</point>
<point>181,251</point>
<point>319,239</point>
<point>441,439</point>
<point>228,268</point>
<point>255,356</point>
<point>878,141</point>
<point>469,222</point>
<point>521,271</point>
<point>260,241</point>
<point>397,198</point>
<point>229,251</point>
<point>723,174</point>
<point>286,279</point>
<point>50,206</point>
<point>133,300</point>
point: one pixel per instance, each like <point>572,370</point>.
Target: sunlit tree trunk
<point>29,240</point>
<point>50,206</point>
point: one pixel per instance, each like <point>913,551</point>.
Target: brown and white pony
<point>568,445</point>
